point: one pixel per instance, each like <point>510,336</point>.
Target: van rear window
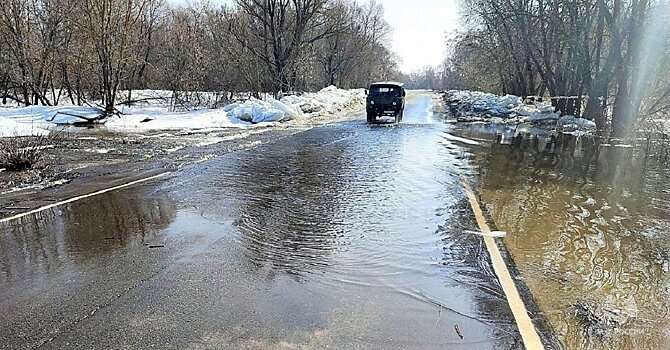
<point>385,90</point>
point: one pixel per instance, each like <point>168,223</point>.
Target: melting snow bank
<point>147,119</point>
<point>9,128</point>
<point>475,106</point>
<point>250,113</point>
<point>38,120</point>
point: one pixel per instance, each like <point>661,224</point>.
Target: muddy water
<point>588,226</point>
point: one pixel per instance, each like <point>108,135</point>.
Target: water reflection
<point>79,233</point>
<point>588,227</point>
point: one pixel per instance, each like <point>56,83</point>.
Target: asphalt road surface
<point>343,236</point>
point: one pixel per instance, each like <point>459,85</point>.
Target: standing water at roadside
<point>587,225</point>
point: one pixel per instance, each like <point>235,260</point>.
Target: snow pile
<point>234,115</point>
<point>259,111</point>
<point>572,123</point>
<point>328,100</point>
<point>158,119</point>
<point>544,114</point>
<point>476,106</point>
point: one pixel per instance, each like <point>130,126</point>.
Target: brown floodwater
<point>587,225</point>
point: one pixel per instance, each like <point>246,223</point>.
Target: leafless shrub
<point>19,153</point>
<point>598,319</point>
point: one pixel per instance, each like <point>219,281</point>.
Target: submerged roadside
<point>79,161</point>
<point>585,223</point>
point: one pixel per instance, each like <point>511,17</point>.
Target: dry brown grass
<point>25,152</point>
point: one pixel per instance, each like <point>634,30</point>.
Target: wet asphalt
<point>343,236</point>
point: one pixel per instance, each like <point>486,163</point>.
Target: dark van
<point>385,99</point>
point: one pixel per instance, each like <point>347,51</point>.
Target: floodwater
<point>588,225</point>
<point>343,236</point>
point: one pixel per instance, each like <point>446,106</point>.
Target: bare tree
<point>110,26</point>
<point>94,51</point>
<point>585,50</point>
<point>275,31</point>
<point>351,55</point>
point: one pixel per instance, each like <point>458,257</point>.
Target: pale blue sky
<point>419,28</point>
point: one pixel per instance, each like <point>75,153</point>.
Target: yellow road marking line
<point>74,199</point>
<point>531,339</point>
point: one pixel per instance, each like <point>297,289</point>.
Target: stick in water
<point>494,234</point>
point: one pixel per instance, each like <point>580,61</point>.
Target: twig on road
<point>458,331</point>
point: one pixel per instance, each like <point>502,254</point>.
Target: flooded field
<point>588,225</point>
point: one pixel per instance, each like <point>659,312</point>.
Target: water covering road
<point>343,236</point>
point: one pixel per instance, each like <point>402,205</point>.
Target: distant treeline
<point>82,50</point>
<point>613,55</point>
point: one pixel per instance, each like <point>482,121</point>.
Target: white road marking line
<point>531,339</point>
<point>74,199</point>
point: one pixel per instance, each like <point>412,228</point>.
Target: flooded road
<point>343,236</point>
<point>588,227</point>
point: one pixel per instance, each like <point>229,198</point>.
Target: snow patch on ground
<point>157,114</point>
<point>100,151</point>
<point>37,148</point>
<point>10,128</point>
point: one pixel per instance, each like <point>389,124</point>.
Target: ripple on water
<point>578,217</point>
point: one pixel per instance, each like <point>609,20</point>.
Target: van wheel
<point>398,118</point>
<point>371,118</point>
